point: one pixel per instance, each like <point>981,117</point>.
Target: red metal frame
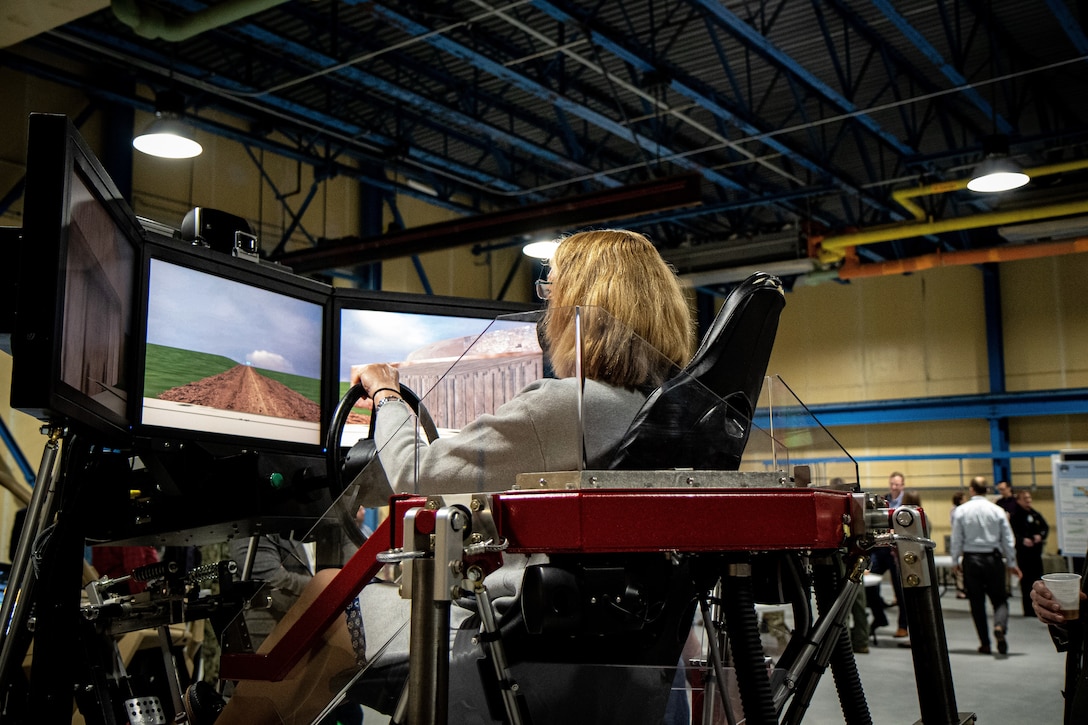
<point>584,521</point>
<point>623,520</point>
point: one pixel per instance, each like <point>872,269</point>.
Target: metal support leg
<point>822,639</point>
<point>21,579</point>
<point>929,648</point>
<point>716,687</point>
<point>495,649</point>
<point>433,581</point>
<point>428,654</point>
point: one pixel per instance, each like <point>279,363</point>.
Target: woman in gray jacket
<point>617,271</point>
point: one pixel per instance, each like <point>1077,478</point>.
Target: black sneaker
<point>1002,643</point>
<point>203,703</point>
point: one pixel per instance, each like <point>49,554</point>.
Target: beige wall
<point>924,335</point>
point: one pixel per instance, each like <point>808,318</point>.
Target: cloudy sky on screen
<point>197,311</point>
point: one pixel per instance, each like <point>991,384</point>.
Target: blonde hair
<point>621,273</point>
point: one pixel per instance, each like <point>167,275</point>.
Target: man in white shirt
<point>981,536</point>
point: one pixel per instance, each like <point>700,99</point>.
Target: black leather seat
<point>685,423</point>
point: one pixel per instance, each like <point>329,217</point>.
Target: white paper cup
<point>1066,590</point>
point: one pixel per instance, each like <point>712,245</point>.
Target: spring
<point>154,571</point>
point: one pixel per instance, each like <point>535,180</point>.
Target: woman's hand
<point>375,376</point>
<point>1045,605</point>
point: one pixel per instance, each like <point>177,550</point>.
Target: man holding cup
<point>982,539</point>
<point>1056,599</point>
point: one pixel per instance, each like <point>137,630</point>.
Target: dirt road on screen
<point>244,389</point>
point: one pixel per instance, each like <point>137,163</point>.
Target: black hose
<point>742,626</point>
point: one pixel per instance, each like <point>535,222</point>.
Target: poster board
<point>1070,477</point>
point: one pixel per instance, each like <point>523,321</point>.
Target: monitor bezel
<point>56,153</point>
<point>264,275</point>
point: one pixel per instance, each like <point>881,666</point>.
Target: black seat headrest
<point>701,418</point>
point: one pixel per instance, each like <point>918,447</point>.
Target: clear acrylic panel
<point>797,441</point>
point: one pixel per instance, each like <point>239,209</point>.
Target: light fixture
<point>168,137</point>
<point>997,172</point>
<point>540,250</point>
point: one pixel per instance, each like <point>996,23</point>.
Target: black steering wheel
<point>343,468</point>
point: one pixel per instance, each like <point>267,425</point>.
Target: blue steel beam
<point>433,111</point>
<point>533,88</point>
<point>1070,25</point>
<point>687,87</point>
<point>956,407</point>
<point>947,70</point>
<point>768,50</point>
<point>339,130</point>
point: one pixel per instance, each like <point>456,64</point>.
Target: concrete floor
<point>1021,687</point>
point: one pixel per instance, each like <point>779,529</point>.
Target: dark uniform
<point>1026,524</point>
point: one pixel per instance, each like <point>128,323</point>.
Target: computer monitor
<point>77,271</point>
<point>234,350</point>
<point>426,336</point>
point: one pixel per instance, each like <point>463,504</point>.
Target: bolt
<point>432,505</point>
<point>593,600</point>
<point>913,580</point>
<point>904,518</point>
<point>476,538</point>
<point>910,558</point>
<point>690,481</point>
<point>543,482</point>
<point>476,504</point>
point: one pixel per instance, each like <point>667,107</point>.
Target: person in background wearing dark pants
<point>1030,530</point>
<point>981,536</point>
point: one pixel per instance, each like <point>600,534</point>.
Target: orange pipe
<point>852,270</point>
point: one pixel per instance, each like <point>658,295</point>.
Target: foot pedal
<point>145,711</point>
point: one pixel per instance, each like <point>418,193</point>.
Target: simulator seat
<point>683,423</point>
<point>586,624</point>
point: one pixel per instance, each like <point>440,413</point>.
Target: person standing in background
<point>883,560</point>
<point>1030,530</point>
<point>282,564</point>
<point>957,574</point>
<point>1006,497</point>
<point>981,536</point>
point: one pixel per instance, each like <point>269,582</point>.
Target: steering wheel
<point>342,468</point>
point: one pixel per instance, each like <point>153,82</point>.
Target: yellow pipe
<point>903,196</point>
<point>833,249</point>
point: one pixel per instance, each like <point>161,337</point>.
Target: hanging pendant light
<point>168,137</point>
<point>997,172</point>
